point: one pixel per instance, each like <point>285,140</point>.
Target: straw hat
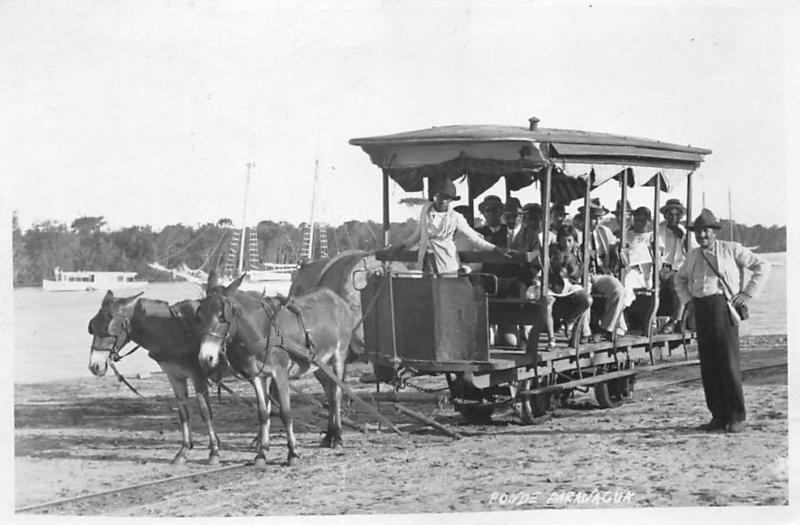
<point>673,204</point>
<point>595,208</point>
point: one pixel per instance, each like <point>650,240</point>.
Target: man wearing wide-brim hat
<point>496,233</point>
<point>603,264</point>
<point>671,236</point>
<point>708,285</point>
<point>614,223</point>
<point>435,234</point>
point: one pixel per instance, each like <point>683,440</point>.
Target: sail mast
<point>730,213</point>
<point>242,238</point>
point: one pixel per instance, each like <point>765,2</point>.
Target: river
<point>51,340</point>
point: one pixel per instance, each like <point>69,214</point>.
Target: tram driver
<point>435,234</point>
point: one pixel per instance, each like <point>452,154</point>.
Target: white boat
<point>90,280</point>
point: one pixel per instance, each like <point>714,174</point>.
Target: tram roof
<point>487,152</point>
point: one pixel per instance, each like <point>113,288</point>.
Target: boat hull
<point>70,286</point>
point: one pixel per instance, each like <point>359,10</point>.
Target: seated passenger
<point>511,213</point>
<point>671,237</point>
<point>603,260</point>
<point>567,299</point>
<point>528,241</point>
<point>497,233</point>
<point>637,255</point>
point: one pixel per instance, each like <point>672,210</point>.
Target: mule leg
<point>327,387</point>
<point>282,390</point>
<point>181,390</point>
<point>264,407</point>
<point>336,405</point>
<point>204,402</point>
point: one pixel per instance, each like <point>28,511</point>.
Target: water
<point>51,341</point>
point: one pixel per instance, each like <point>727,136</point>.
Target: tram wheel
<point>533,406</point>
<point>607,396</point>
<point>476,411</point>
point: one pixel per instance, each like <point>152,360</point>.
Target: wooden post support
<point>546,196</point>
<point>623,222</point>
<point>428,421</point>
<point>688,239</point>
<point>385,208</point>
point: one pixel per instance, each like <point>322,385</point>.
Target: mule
<point>171,335</point>
<point>250,334</point>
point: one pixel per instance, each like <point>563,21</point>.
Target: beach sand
<point>90,435</point>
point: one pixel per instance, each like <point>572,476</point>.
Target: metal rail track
<point>130,490</point>
<point>117,495</point>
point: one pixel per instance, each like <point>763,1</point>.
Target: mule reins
<point>114,357</point>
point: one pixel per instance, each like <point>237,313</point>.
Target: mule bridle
<point>114,352</point>
<point>225,337</point>
<point>114,355</point>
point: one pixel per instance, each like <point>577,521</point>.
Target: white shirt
<point>435,234</point>
<point>674,251</point>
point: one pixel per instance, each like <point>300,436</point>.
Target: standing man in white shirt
<point>708,284</point>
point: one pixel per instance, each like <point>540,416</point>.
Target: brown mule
<point>171,335</point>
<point>250,332</point>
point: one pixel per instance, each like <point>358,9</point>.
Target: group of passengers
<point>509,228</point>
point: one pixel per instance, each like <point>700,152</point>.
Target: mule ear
<point>129,300</point>
<point>108,298</point>
<point>235,284</point>
<point>138,310</point>
<point>212,280</point>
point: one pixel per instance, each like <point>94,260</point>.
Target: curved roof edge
<point>493,133</point>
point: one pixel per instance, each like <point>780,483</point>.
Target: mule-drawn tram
<point>427,324</point>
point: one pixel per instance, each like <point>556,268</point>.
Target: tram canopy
<point>485,153</point>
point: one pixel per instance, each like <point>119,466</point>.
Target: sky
<point>148,112</point>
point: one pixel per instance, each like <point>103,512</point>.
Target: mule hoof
<point>292,461</point>
<point>337,443</point>
<point>213,459</point>
<point>179,459</point>
<point>326,442</point>
<point>260,463</point>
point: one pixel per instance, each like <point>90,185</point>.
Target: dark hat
<point>512,206</point>
<point>490,202</point>
<point>557,208</point>
<point>595,208</point>
<point>619,205</point>
<point>532,208</point>
<point>448,189</point>
<point>706,219</point>
<point>673,203</point>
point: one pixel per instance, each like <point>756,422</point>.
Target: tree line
<point>86,244</point>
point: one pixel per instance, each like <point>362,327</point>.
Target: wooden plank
<point>303,353</point>
<point>430,422</point>
<point>591,380</point>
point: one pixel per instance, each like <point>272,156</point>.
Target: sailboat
<point>243,255</point>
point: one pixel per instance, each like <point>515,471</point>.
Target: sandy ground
<point>91,435</point>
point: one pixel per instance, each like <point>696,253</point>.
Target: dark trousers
<point>718,344</point>
<point>668,302</point>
